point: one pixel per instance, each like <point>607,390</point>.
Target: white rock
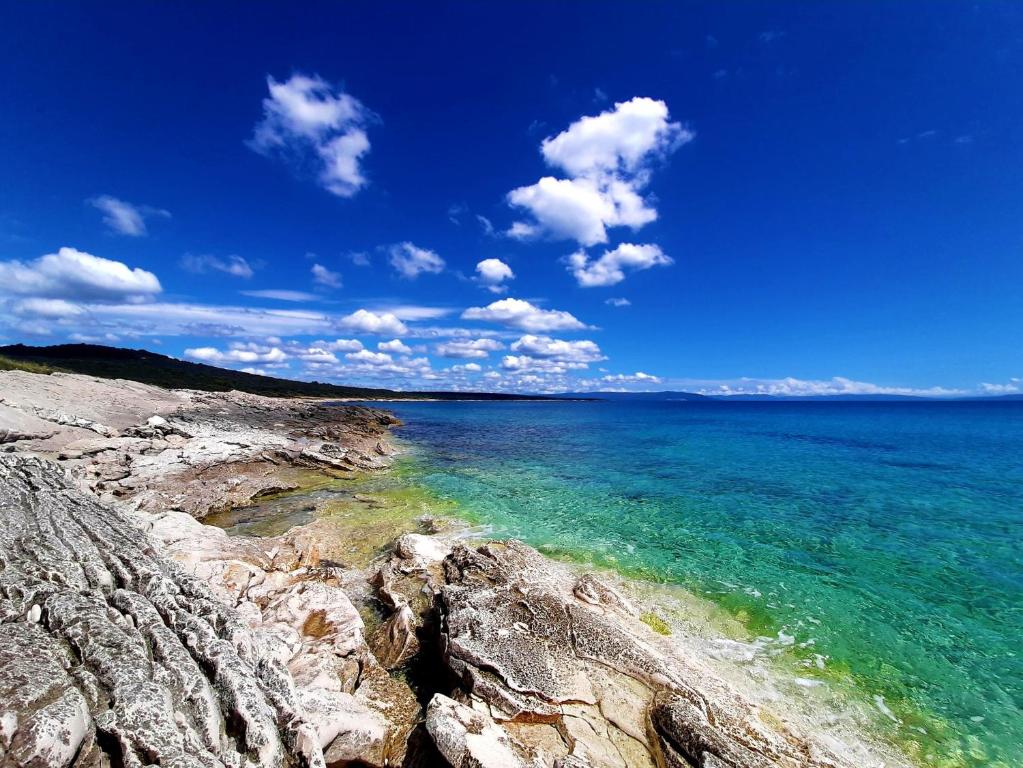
<point>466,737</point>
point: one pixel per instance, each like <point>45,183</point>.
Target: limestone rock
<point>124,657</point>
<point>469,739</point>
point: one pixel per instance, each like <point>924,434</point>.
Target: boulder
<point>469,739</point>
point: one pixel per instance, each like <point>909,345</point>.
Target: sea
<point>881,544</point>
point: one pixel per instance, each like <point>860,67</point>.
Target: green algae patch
<point>656,623</point>
<point>365,526</point>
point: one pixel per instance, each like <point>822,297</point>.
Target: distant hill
<point>694,397</point>
<point>824,398</point>
<point>633,396</point>
<point>163,371</point>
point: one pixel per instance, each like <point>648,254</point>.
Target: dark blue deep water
<point>888,534</point>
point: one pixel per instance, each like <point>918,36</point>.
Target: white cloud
<point>307,120</point>
<point>340,345</point>
<point>127,315</point>
<point>468,348</point>
<point>410,261</point>
<point>369,358</point>
<point>618,302</point>
<point>214,355</point>
<point>837,385</point>
<point>466,368</point>
<point>382,324</point>
<point>171,319</point>
<point>74,274</point>
<point>51,308</point>
<point>326,277</point>
<point>517,313</point>
<point>281,295</point>
<point>525,363</point>
<point>608,159</point>
<point>314,354</point>
<point>558,349</point>
<point>233,265</point>
<point>1013,386</point>
<point>396,346</point>
<point>610,268</point>
<point>493,274</point>
<point>414,311</point>
<point>579,209</point>
<point>542,354</point>
<point>622,139</point>
<point>631,378</point>
<point>125,218</point>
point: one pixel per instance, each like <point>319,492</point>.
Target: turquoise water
<point>888,537</point>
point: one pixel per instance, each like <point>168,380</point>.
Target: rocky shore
<point>132,634</point>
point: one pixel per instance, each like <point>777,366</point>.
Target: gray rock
<point>109,653</point>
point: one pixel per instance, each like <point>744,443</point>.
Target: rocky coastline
<point>133,634</point>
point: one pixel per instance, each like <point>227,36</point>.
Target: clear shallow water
<point>885,538</point>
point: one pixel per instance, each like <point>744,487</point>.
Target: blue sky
<point>533,196</point>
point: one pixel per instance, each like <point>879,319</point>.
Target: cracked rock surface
<point>196,452</point>
<point>552,668</point>
<point>111,655</point>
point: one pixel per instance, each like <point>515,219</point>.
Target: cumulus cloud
<point>383,365</point>
<point>468,348</point>
<point>618,301</point>
<point>493,274</point>
<point>543,354</point>
<point>74,274</point>
<point>410,261</point>
<point>214,355</point>
<point>369,358</point>
<point>126,218</point>
<point>525,363</point>
<point>382,324</point>
<point>396,346</point>
<point>309,122</point>
<point>558,349</point>
<point>233,265</point>
<point>466,368</point>
<point>340,345</point>
<point>621,139</point>
<point>610,268</point>
<point>326,277</point>
<point>608,160</point>
<point>520,314</point>
<point>578,209</point>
